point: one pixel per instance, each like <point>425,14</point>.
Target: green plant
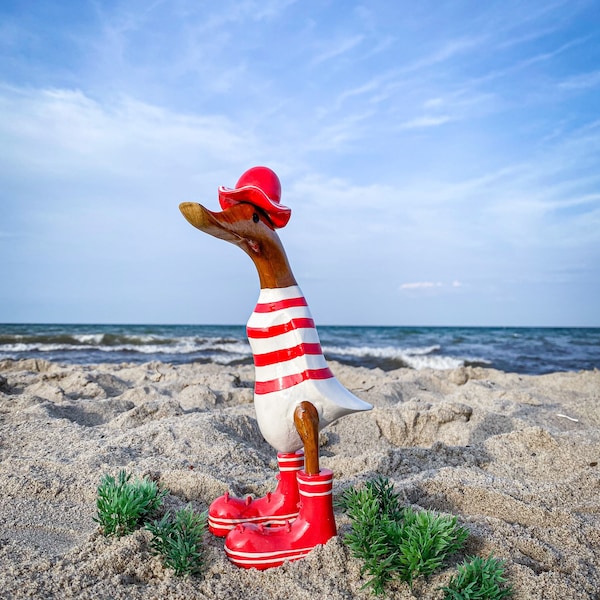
<point>478,579</point>
<point>178,540</point>
<point>382,491</point>
<point>428,540</point>
<point>396,542</point>
<point>123,504</point>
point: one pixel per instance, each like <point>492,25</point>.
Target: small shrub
<point>122,504</point>
<point>382,491</point>
<point>396,542</point>
<point>478,579</point>
<point>428,540</point>
<point>178,540</point>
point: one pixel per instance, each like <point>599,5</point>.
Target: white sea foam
<point>421,351</point>
<point>363,351</point>
<point>35,347</point>
<point>88,338</point>
<point>181,346</point>
<point>415,357</point>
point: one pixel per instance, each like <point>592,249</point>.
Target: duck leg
<point>306,420</point>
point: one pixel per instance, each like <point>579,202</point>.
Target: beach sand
<point>516,458</point>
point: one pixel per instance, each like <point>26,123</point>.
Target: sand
<point>515,458</point>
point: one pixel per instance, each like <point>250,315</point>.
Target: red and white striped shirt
<point>290,367</point>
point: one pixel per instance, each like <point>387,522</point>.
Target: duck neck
<point>274,273</point>
<point>272,265</point>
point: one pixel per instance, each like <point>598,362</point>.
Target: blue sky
<point>441,159</point>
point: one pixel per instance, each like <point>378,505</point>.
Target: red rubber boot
<point>273,509</point>
<point>261,547</point>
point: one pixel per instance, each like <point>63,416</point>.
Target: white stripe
<point>312,494</point>
<point>286,469</point>
<point>265,561</point>
<point>275,294</point>
<point>284,341</point>
<point>263,519</point>
<point>278,317</point>
<point>290,367</point>
<point>267,556</point>
<point>308,482</point>
<point>282,459</point>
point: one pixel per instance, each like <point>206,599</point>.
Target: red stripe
<point>267,307</point>
<point>277,356</point>
<point>274,330</point>
<point>283,383</point>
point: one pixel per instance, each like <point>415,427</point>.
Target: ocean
<point>527,350</point>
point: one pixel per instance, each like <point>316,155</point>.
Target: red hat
<point>259,186</point>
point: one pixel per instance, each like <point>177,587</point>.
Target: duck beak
<point>214,223</point>
<point>195,214</point>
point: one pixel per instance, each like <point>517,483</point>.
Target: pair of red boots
<point>282,526</point>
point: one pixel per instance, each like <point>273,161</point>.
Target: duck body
<point>290,368</point>
<point>295,393</point>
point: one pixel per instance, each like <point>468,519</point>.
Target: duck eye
<point>255,217</point>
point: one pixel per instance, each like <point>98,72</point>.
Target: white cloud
<point>447,49</point>
<point>428,288</point>
<point>425,121</point>
<point>582,81</point>
<point>337,48</point>
<point>421,285</point>
<point>64,131</point>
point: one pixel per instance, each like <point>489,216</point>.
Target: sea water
<point>529,350</point>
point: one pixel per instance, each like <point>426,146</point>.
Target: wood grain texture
<point>306,420</point>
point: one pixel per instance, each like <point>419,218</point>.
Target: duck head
<point>249,227</point>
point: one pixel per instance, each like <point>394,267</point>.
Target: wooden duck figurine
<point>295,394</point>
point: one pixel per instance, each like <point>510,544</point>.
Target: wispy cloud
<point>582,81</point>
<point>526,38</point>
<point>429,285</point>
<point>240,11</point>
<point>421,285</point>
<point>425,121</point>
<point>447,50</point>
<point>366,88</point>
<point>337,48</point>
<point>94,145</point>
<point>336,135</point>
<point>524,63</point>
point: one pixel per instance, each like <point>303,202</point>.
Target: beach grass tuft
<point>478,579</point>
<point>123,504</point>
<point>178,540</point>
<point>396,542</point>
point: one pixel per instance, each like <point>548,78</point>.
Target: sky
<point>441,159</point>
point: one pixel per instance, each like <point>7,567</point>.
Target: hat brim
<point>279,214</point>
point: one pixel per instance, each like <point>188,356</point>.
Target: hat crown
<point>264,179</point>
<point>261,187</point>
